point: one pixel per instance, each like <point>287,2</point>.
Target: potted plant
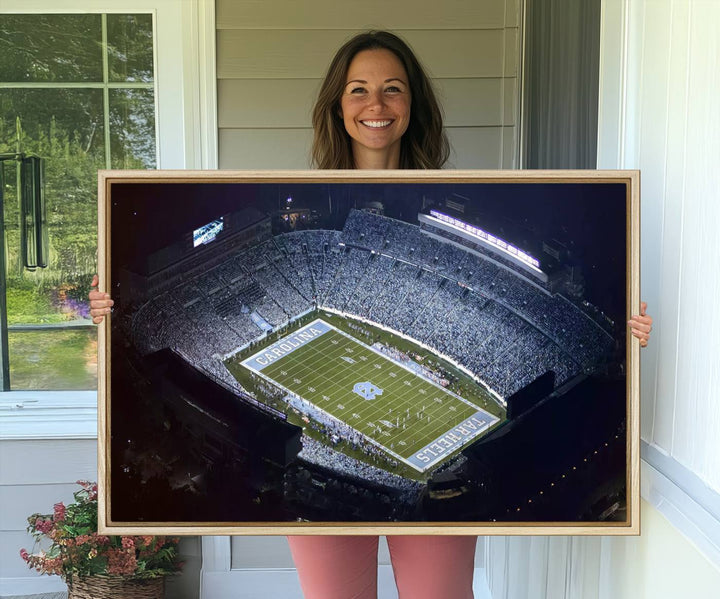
<point>120,567</point>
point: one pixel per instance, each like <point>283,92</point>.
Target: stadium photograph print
<point>370,352</point>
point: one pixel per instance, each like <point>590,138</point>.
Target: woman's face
<point>375,107</point>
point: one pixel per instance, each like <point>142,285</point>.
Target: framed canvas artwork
<point>372,352</point>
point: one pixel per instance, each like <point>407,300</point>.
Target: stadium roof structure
<point>486,240</point>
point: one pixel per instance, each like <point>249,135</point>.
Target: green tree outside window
<point>78,91</point>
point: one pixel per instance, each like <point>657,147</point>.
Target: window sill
<point>48,415</point>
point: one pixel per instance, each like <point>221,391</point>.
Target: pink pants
<point>345,567</point>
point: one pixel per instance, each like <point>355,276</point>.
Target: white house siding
<point>272,56</point>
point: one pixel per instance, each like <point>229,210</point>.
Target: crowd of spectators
<point>487,318</point>
<point>318,453</point>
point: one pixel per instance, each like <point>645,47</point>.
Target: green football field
<point>391,406</point>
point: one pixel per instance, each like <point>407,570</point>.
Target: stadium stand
<point>470,309</point>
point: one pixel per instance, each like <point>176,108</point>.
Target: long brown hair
<point>424,144</point>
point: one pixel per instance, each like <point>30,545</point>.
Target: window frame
<point>183,32</point>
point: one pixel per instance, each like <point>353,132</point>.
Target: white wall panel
<point>544,567</point>
<point>513,13</point>
<point>11,564</point>
<point>471,148</point>
<point>265,148</point>
<point>263,103</point>
<point>19,501</point>
<point>256,103</point>
<point>559,551</point>
<point>654,84</point>
<point>511,142</point>
<point>697,424</point>
<point>672,229</point>
<point>671,130</point>
<point>511,59</point>
<point>510,100</point>
<point>258,552</point>
<point>400,14</point>
<point>47,462</point>
<point>475,147</point>
<point>254,54</point>
<point>475,102</point>
<point>538,565</point>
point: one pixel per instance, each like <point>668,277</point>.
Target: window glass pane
<point>54,359</point>
<point>52,343</point>
<point>38,48</point>
<point>65,127</point>
<point>53,121</point>
<point>132,128</point>
<point>130,47</point>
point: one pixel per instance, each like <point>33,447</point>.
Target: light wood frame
<point>630,179</point>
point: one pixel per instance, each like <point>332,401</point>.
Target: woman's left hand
<point>641,325</point>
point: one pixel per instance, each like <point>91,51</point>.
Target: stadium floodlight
<point>494,242</point>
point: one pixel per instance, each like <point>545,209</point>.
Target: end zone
<point>452,440</point>
<point>286,345</point>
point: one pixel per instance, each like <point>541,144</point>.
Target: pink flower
<point>53,565</point>
<point>59,512</point>
<point>43,526</point>
<point>121,562</point>
<point>25,555</point>
<point>128,543</point>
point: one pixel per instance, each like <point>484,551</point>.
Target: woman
<point>377,110</point>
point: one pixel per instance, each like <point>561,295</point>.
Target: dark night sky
<point>589,218</point>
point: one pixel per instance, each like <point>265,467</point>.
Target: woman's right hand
<point>100,302</point>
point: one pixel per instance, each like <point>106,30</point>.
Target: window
<point>78,91</point>
<point>186,124</point>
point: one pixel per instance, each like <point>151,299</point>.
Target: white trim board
<point>45,415</point>
<point>692,507</point>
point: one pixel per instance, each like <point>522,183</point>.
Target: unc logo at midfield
<point>367,390</point>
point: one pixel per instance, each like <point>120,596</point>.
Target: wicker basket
<point>116,587</point>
